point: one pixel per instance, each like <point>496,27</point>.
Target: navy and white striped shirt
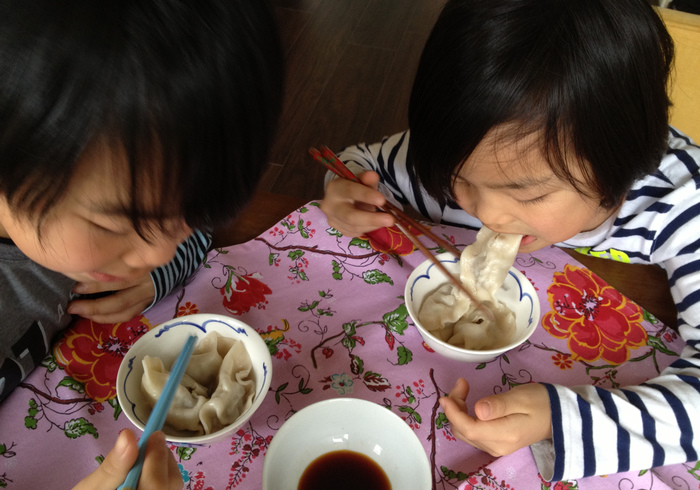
<point>189,256</point>
<point>598,431</point>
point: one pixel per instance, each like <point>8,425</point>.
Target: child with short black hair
<point>127,126</point>
<point>549,119</point>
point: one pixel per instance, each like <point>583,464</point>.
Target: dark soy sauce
<point>343,470</point>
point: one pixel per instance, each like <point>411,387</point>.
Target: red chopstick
<point>404,223</point>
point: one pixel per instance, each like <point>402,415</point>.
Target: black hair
<point>589,75</point>
<point>196,83</point>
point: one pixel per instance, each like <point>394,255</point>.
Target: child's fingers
<point>530,399</point>
<point>354,192</point>
<point>160,470</point>
<point>461,422</point>
<point>120,306</point>
<point>351,208</point>
<point>116,465</point>
<point>370,179</point>
<point>460,390</point>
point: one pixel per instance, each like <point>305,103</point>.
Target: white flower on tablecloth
<point>341,383</point>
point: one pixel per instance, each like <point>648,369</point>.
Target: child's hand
<point>129,299</point>
<point>504,423</point>
<point>351,207</point>
<point>160,469</point>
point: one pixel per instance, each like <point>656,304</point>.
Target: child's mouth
<point>102,277</point>
<point>527,240</point>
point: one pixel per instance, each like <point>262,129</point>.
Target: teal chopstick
<point>160,412</point>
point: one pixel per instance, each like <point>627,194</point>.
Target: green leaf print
<point>30,420</point>
<point>185,453</point>
<point>336,270</point>
<point>659,345</point>
<point>452,475</point>
<point>375,276</point>
<point>117,408</point>
<point>79,427</point>
<point>302,230</point>
<point>306,307</point>
<point>72,384</point>
<point>441,421</point>
<point>49,362</point>
<point>416,416</point>
<point>359,242</point>
<point>396,320</point>
<point>405,355</point>
<point>295,254</point>
<point>350,328</point>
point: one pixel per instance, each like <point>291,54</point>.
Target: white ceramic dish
<point>346,424</point>
<point>517,293</point>
<point>165,341</point>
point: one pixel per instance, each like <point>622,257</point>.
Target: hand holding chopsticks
<point>160,411</point>
<point>404,223</point>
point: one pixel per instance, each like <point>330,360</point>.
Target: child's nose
<point>491,215</point>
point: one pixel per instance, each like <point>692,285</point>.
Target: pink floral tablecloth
<point>331,310</point>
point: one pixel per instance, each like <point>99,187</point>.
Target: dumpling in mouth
<point>451,316</point>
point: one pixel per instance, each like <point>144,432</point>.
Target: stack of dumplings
<point>218,387</point>
<point>451,316</point>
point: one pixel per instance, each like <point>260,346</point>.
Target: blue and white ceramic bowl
<point>165,341</point>
<point>517,293</point>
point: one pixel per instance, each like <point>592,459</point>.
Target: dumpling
<point>476,332</point>
<point>485,263</point>
<point>217,387</point>
<point>234,392</point>
<point>205,362</point>
<point>449,315</point>
<point>443,308</point>
<point>189,397</point>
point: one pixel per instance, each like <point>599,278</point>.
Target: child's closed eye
<point>535,200</point>
<point>108,229</point>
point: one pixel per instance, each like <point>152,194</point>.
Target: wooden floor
<point>350,67</point>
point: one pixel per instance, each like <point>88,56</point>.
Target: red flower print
<point>242,292</point>
<point>562,361</point>
<point>91,352</point>
<point>597,321</point>
<point>188,308</point>
<point>391,241</point>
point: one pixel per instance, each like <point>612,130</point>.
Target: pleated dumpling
<point>205,362</point>
<point>189,397</point>
<point>443,308</point>
<point>234,393</point>
<point>217,387</point>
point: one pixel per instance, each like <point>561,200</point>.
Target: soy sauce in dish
<point>343,470</point>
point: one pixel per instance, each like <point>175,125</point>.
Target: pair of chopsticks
<point>160,412</point>
<point>403,222</point>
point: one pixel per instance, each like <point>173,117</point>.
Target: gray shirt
<point>33,303</point>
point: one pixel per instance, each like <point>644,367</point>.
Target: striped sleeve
<point>656,423</point>
<point>397,180</point>
<point>188,257</point>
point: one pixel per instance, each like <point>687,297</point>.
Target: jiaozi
<point>218,386</point>
<point>450,315</point>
